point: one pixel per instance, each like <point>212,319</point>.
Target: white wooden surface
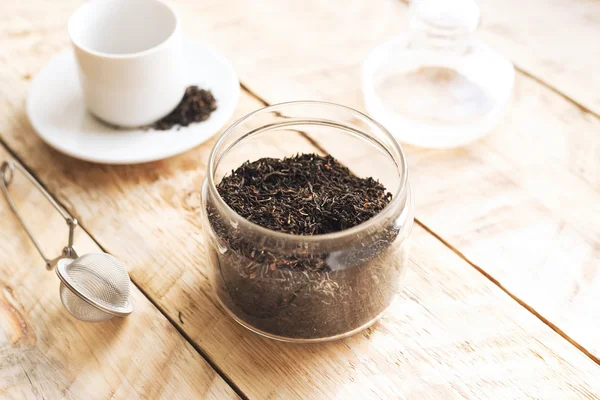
<point>455,333</point>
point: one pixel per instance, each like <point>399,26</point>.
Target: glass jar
<point>307,288</point>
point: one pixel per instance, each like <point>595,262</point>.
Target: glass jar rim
<point>396,198</point>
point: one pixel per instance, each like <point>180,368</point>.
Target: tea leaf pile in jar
<point>299,295</point>
<point>302,195</point>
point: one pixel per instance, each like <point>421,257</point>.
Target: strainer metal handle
<point>7,172</point>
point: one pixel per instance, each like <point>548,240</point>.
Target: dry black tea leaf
<point>302,195</point>
<point>196,106</point>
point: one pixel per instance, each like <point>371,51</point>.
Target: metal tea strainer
<point>94,287</point>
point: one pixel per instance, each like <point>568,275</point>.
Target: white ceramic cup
<point>130,59</point>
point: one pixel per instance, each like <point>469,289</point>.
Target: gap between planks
<point>183,334</point>
<point>458,252</point>
<point>556,91</point>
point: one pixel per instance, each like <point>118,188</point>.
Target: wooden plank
<point>522,204</point>
<point>45,353</point>
<point>452,334</point>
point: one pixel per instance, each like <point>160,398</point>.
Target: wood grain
<point>45,353</point>
<point>452,334</point>
<point>521,204</point>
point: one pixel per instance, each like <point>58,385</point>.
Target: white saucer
<point>57,112</point>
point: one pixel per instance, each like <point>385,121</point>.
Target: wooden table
<point>502,299</point>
